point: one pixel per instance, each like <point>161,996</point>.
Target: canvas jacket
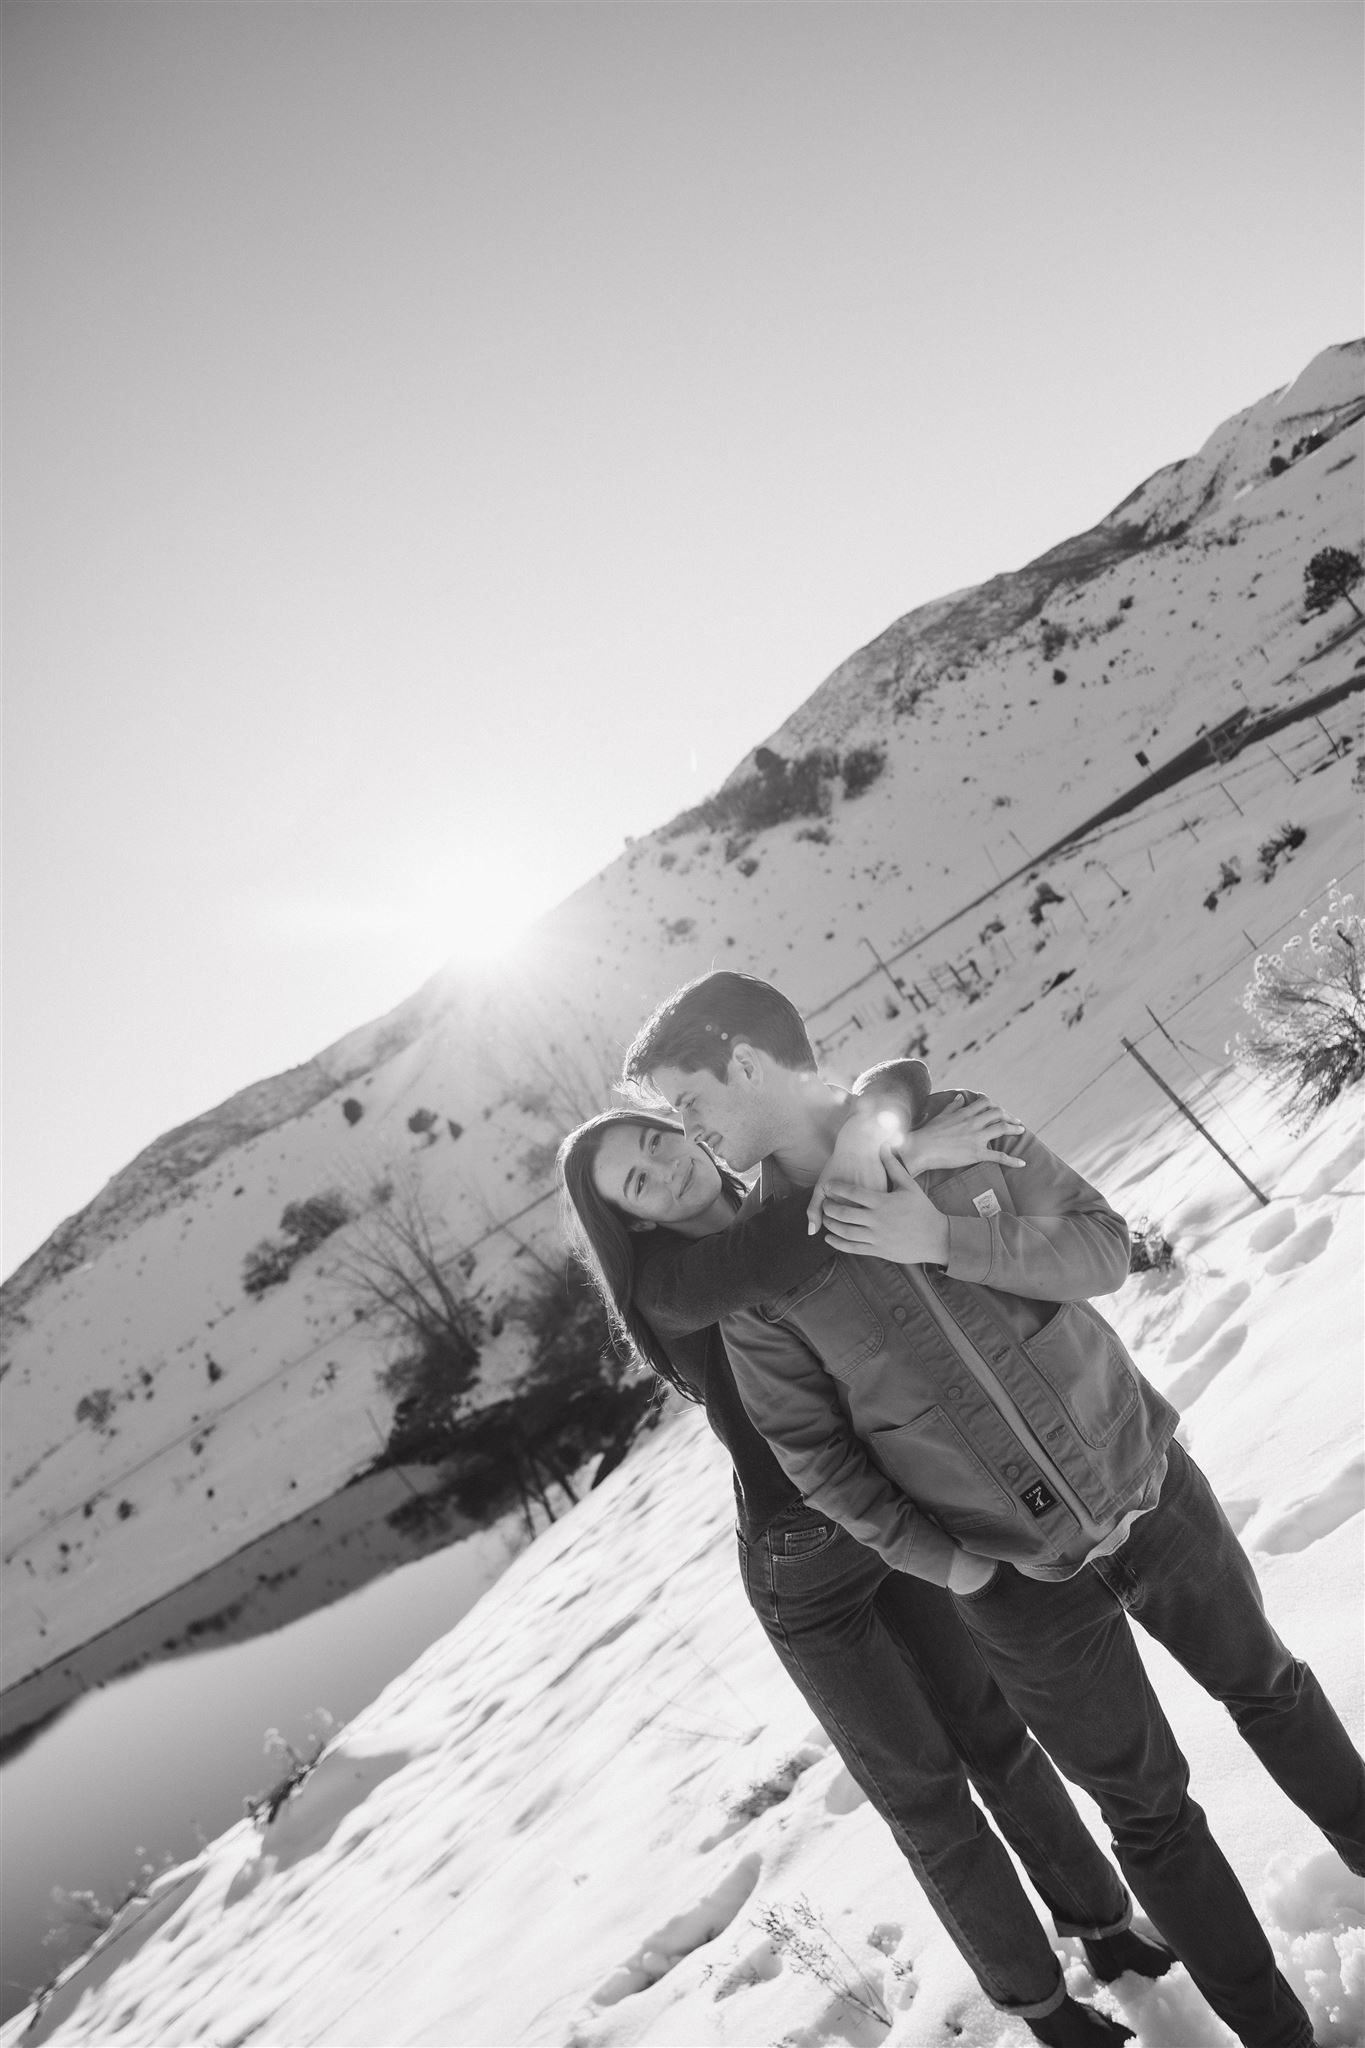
<point>981,1405</point>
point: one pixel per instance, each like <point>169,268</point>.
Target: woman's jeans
<point>1066,1655</point>
<point>898,1686</point>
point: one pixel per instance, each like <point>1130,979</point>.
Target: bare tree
<point>558,1063</point>
<point>400,1276</point>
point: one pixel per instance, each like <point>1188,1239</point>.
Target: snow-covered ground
<point>585,1817</point>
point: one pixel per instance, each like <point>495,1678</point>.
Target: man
<point>971,1417</point>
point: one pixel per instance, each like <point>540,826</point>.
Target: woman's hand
<point>871,1127</point>
<point>961,1136</point>
<point>898,1223</point>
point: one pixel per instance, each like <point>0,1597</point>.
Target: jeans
<point>898,1686</point>
<point>1066,1656</point>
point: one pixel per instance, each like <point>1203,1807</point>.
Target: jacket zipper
<point>995,1393</point>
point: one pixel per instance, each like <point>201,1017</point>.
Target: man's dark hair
<point>698,1025</point>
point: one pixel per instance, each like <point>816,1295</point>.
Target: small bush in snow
<point>861,767</point>
<point>95,1407</point>
<point>1042,896</point>
<point>308,1222</point>
<point>267,1264</point>
<point>304,1225</point>
<point>1286,841</point>
<point>1052,640</point>
<point>1308,1012</point>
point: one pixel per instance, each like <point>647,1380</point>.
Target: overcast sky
<point>441,439</point>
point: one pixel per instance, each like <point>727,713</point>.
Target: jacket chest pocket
<point>833,1316</point>
<point>1088,1370</point>
<point>980,1190</point>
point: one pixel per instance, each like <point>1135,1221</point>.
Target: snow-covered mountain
<point>157,1417</point>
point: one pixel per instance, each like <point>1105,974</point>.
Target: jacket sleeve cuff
<point>971,1248</point>
<point>930,1555</point>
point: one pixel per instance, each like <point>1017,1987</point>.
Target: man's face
<point>725,1114</point>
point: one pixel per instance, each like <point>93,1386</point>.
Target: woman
<point>881,1657</point>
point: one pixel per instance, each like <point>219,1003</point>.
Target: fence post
<point>899,991</point>
<point>1186,1111</point>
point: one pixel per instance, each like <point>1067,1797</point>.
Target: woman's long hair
<point>603,1240</point>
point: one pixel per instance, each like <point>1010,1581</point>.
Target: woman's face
<point>655,1176</point>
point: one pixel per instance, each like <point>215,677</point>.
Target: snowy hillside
<point>157,1417</point>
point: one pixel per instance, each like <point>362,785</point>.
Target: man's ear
<point>746,1063</point>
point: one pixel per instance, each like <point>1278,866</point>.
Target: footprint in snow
<point>1308,1243</point>
<point>1328,1179</point>
<point>1208,1322</point>
<point>1185,1391</point>
<point>1272,1230</point>
<point>760,1966</point>
<point>845,1795</point>
<point>1310,1520</point>
<point>662,1950</point>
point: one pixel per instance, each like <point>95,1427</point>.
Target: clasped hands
<point>868,1199</point>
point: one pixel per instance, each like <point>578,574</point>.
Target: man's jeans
<point>898,1686</point>
<point>1067,1658</point>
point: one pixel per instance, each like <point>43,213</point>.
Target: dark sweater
<point>684,1284</point>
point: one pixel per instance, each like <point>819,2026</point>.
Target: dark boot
<point>1078,2026</point>
<point>1109,1955</point>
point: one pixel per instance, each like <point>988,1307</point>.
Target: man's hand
<point>900,1223</point>
<point>961,1136</point>
<point>871,1127</point>
<point>968,1573</point>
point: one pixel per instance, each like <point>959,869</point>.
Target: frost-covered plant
<point>1308,1012</point>
<point>801,1936</point>
<point>298,1764</point>
<point>1149,1248</point>
<point>770,1791</point>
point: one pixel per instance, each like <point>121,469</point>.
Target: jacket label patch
<point>987,1204</point>
<point>1038,1498</point>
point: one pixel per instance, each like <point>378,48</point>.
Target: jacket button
<point>1011,1471</point>
<point>898,1315</point>
<point>954,1393</point>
